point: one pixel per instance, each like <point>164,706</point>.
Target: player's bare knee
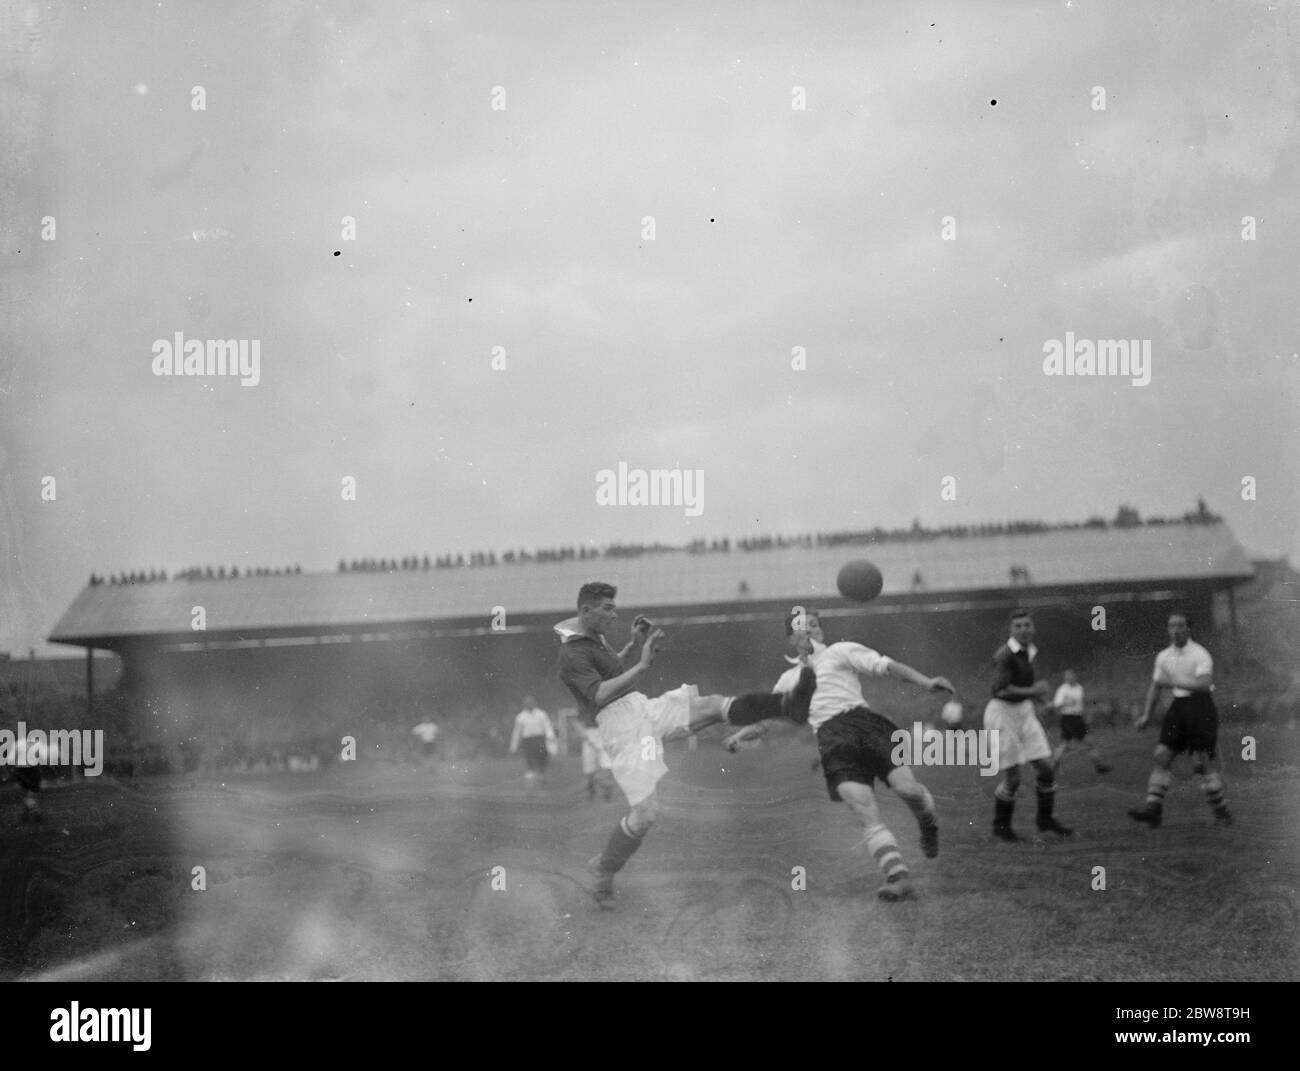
<point>907,788</point>
<point>862,800</point>
<point>643,816</point>
<point>867,812</point>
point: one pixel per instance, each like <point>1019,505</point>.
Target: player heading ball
<point>856,742</point>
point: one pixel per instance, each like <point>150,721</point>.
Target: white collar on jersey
<point>817,648</point>
<point>568,630</point>
<point>1015,645</point>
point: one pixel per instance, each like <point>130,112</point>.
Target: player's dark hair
<point>1180,613</point>
<point>807,613</point>
<point>1017,614</point>
<point>594,593</point>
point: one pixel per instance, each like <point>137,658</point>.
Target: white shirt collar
<point>1016,647</point>
<point>569,631</point>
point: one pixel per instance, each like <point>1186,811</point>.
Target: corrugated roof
<point>947,564</point>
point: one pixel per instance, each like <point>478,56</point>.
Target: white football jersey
<point>837,666</point>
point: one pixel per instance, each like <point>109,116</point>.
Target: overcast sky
<point>774,227</point>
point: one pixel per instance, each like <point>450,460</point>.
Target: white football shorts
<point>1020,733</point>
<point>632,729</point>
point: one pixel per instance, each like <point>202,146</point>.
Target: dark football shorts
<point>1073,727</point>
<point>535,755</point>
<point>28,778</point>
<point>1191,724</point>
<point>855,745</point>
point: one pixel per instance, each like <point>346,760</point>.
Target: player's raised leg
<point>753,707</point>
<point>749,708</point>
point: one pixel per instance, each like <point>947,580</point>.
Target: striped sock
<point>881,844</point>
<point>1157,785</point>
<point>1214,788</point>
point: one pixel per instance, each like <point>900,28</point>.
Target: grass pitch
<point>376,871</point>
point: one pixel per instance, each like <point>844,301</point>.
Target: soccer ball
<point>859,581</point>
<point>951,713</point>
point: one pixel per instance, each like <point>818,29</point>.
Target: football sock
<point>881,844</point>
<point>752,707</point>
<point>622,845</point>
<point>1157,785</point>
<point>1214,788</point>
<point>1046,802</point>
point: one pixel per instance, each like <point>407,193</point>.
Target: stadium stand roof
<point>104,615</point>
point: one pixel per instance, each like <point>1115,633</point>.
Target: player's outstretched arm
<point>931,684</point>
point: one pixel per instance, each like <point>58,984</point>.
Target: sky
<point>839,306</point>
